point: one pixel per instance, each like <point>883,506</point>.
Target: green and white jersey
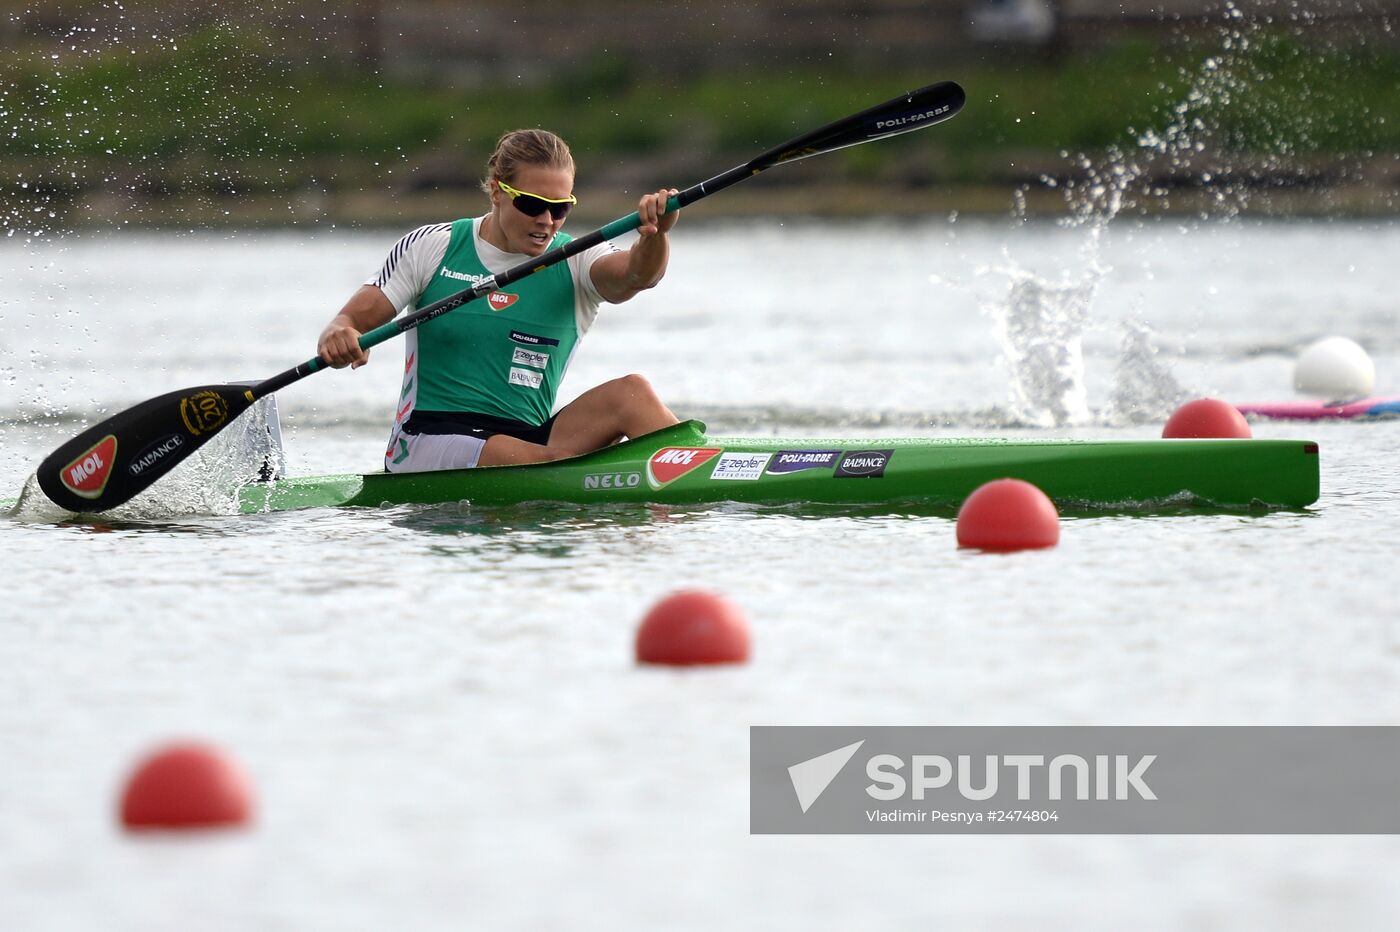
<point>504,355</point>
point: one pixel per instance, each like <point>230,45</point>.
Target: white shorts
<point>431,452</point>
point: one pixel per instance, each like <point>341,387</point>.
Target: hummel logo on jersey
<point>462,276</point>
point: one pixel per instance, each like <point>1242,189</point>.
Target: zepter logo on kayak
<point>670,463</point>
<point>499,300</point>
<point>203,412</point>
<point>87,475</point>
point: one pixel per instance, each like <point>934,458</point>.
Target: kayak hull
<point>682,465</point>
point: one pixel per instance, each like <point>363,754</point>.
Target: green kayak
<point>682,465</point>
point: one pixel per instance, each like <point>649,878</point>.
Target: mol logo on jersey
<point>499,300</point>
<point>670,463</point>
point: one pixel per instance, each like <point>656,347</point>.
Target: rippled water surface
<point>438,704</point>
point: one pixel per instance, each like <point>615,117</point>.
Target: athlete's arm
<point>622,275</point>
<point>399,281</point>
<point>339,345</point>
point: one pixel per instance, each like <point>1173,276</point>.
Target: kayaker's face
<point>530,235</point>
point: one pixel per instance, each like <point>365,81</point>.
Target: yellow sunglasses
<point>532,205</point>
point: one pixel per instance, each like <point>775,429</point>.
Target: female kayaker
<point>479,382</point>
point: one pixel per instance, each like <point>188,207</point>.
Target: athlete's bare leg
<point>601,416</point>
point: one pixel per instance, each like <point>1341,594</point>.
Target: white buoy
<point>1336,369</point>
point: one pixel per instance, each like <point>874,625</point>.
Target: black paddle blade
<point>903,114</point>
<point>111,462</point>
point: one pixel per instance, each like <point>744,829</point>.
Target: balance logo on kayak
<point>154,453</point>
<point>87,475</point>
<point>612,480</point>
<point>203,412</point>
<point>499,300</point>
<point>863,464</point>
<point>740,465</point>
<point>798,460</point>
<point>670,463</point>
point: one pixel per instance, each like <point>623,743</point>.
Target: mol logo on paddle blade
<point>670,463</point>
<point>87,475</point>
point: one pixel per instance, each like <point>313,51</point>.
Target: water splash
<point>1144,388</point>
<point>1040,323</point>
<point>1040,326</point>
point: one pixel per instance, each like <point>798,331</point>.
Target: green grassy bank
<point>219,117</point>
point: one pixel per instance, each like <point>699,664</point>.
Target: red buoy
<point>1207,417</point>
<point>690,627</point>
<point>1008,514</point>
<point>187,785</point>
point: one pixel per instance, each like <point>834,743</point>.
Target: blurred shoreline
<point>1356,198</point>
<point>211,121</point>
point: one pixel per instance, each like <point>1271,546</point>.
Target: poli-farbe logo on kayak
<point>798,460</point>
<point>670,463</point>
<point>87,475</point>
<point>863,464</point>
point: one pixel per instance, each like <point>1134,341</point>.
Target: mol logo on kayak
<point>87,475</point>
<point>670,463</point>
<point>611,480</point>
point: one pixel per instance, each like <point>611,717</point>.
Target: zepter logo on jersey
<point>670,463</point>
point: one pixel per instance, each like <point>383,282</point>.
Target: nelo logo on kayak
<point>87,475</point>
<point>499,300</point>
<point>155,453</point>
<point>612,480</point>
<point>670,463</point>
<point>203,412</point>
<point>864,464</point>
